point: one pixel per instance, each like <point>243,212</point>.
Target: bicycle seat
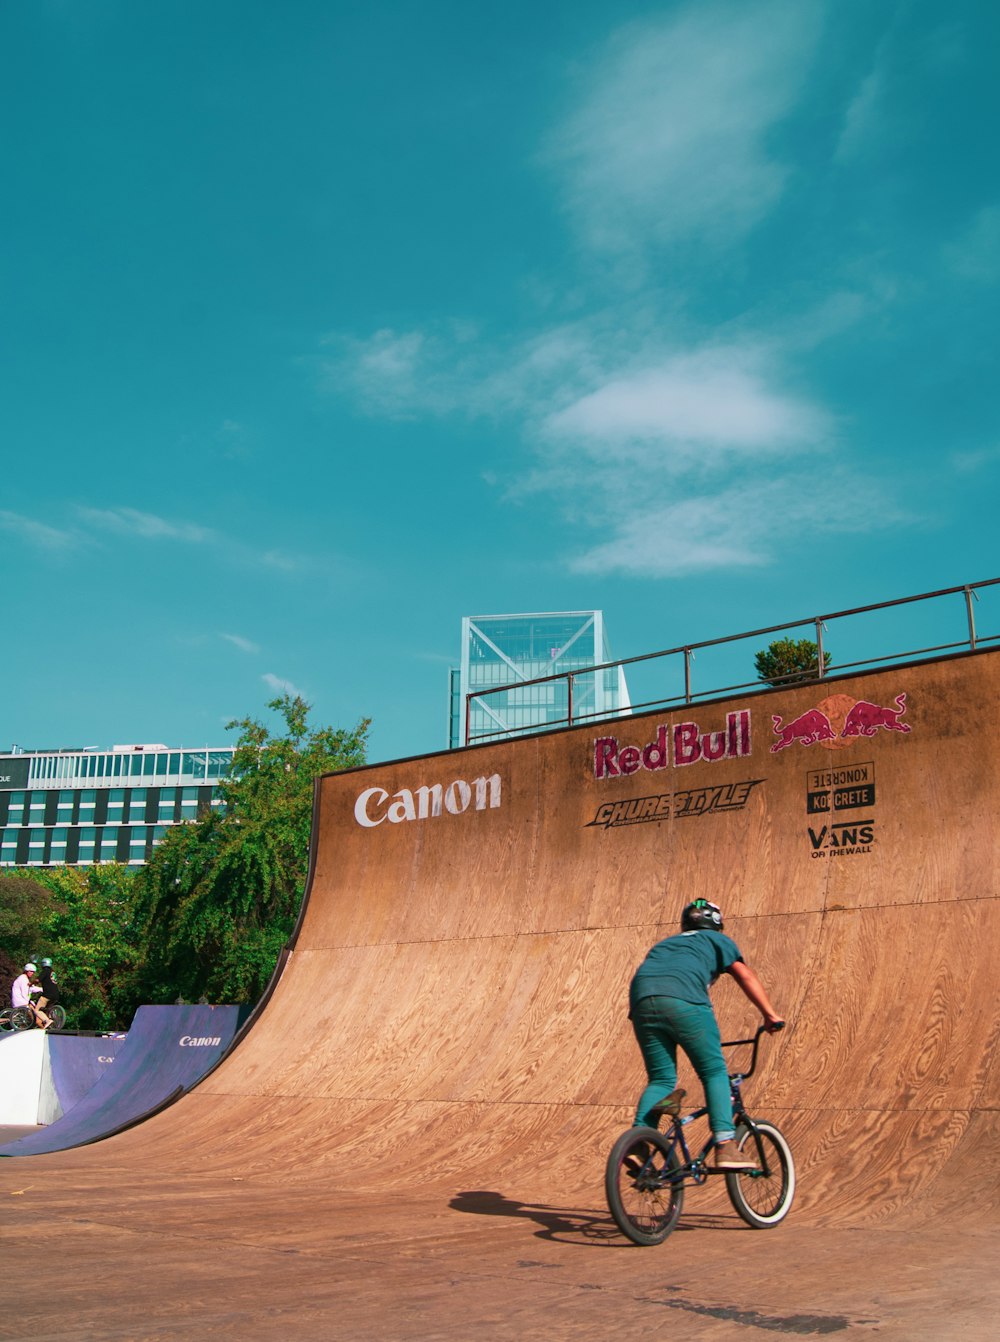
<point>670,1106</point>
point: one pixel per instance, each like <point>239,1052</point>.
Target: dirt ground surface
<point>240,1262</point>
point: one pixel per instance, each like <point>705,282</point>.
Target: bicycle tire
<point>645,1203</point>
<point>21,1019</point>
<point>57,1015</point>
<point>763,1200</point>
<point>6,1023</point>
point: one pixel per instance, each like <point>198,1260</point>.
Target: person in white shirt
<point>20,995</point>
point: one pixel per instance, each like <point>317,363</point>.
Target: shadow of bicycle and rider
<point>564,1225</point>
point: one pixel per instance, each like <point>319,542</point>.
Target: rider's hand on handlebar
<point>772,1024</point>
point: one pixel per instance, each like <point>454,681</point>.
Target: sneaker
<point>727,1160</point>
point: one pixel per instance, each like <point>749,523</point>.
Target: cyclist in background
<point>50,989</point>
<point>20,994</point>
<point>669,1005</point>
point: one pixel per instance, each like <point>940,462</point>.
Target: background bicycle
<point>20,1018</point>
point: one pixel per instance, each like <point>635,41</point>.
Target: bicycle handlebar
<point>761,1029</point>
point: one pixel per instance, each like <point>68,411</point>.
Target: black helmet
<point>701,914</point>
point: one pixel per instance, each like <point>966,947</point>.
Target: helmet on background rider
<point>46,963</point>
<point>30,967</point>
<point>701,915</point>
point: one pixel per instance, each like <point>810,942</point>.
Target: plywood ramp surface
<point>456,998</point>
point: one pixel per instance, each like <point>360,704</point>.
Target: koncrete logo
<point>694,801</point>
<point>687,744</point>
<point>206,1041</point>
<point>426,802</point>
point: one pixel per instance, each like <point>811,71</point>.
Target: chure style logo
<point>678,805</point>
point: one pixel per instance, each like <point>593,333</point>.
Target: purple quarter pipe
<point>167,1051</point>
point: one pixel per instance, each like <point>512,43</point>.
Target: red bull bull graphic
<point>836,721</point>
<point>865,719</point>
<point>808,728</point>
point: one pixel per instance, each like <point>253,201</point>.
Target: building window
<point>57,848</point>
<point>87,836</point>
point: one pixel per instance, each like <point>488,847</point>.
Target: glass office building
<point>509,650</point>
<point>78,807</point>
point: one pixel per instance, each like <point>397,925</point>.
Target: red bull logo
<point>687,743</point>
<point>834,721</point>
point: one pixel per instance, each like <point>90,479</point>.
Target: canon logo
<point>101,1058</point>
<point>425,802</point>
<point>189,1041</point>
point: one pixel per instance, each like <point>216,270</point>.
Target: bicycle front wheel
<point>763,1199</point>
<point>57,1015</point>
<point>644,1192</point>
<point>21,1019</point>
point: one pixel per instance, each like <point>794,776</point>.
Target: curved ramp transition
<point>474,917</point>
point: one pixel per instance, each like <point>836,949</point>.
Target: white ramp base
<point>21,1056</point>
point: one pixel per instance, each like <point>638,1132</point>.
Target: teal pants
<point>660,1024</point>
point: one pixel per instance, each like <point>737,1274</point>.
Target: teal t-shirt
<point>684,966</point>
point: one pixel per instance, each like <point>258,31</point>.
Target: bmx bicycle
<point>647,1169</point>
<point>20,1018</point>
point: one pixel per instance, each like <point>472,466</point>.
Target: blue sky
<point>325,325</point>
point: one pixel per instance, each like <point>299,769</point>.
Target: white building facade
<point>79,807</point>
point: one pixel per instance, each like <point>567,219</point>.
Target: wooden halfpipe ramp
<point>451,1022</point>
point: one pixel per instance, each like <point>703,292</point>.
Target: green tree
<point>788,662</point>
<point>89,933</point>
<point>25,904</point>
<point>220,896</point>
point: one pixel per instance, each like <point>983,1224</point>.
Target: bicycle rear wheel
<point>763,1199</point>
<point>57,1015</point>
<point>6,1018</point>
<point>644,1196</point>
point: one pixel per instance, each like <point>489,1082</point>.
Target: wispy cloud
<point>976,459</point>
<point>132,522</point>
<point>715,399</point>
<point>606,422</point>
<point>861,118</point>
<point>677,447</point>
<point>38,533</point>
<point>141,527</point>
<point>975,255</point>
<point>669,140</point>
<point>280,686</point>
<point>244,644</point>
<point>740,527</point>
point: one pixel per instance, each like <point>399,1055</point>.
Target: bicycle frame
<point>696,1168</point>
